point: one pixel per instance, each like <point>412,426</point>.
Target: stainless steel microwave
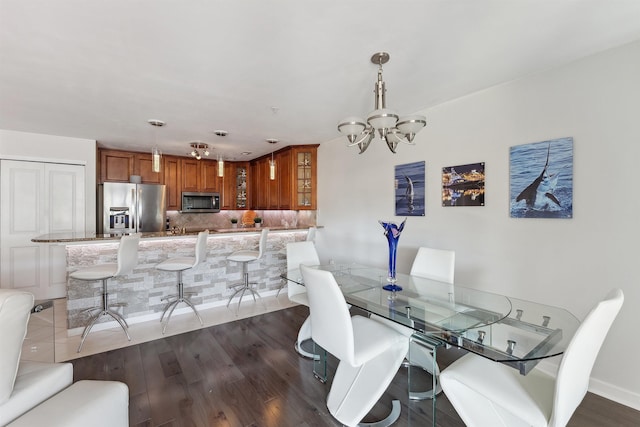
<point>193,202</point>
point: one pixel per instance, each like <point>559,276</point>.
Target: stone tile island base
<point>143,289</point>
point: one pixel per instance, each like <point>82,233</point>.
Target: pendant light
<point>220,167</point>
<point>221,133</point>
<point>156,154</point>
<point>272,163</point>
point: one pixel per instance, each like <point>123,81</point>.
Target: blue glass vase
<point>392,232</point>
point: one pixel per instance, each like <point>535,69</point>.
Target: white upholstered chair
<point>126,262</point>
<point>38,393</point>
<point>245,256</point>
<point>301,253</point>
<point>370,353</point>
<point>181,264</point>
<point>487,393</point>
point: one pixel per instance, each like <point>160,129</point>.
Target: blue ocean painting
<point>541,179</point>
<point>409,184</point>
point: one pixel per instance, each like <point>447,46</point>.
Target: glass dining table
<point>507,330</point>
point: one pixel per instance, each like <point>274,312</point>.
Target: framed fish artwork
<point>409,185</point>
<point>541,179</point>
<point>463,185</point>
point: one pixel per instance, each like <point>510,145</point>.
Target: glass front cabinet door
<point>305,158</point>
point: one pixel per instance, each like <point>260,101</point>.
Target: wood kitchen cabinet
<point>191,179</point>
<point>244,185</point>
<point>172,179</point>
<point>143,166</point>
<point>115,166</point>
<point>118,166</point>
<point>200,175</point>
<point>235,187</point>
<point>304,180</point>
<point>211,182</point>
<point>259,179</point>
<point>294,186</point>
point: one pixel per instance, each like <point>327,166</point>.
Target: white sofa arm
<point>85,403</point>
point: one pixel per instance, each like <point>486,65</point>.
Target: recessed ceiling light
<point>272,140</point>
<point>246,153</point>
<point>155,122</point>
<point>221,132</point>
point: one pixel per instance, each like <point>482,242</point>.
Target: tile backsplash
<point>222,219</point>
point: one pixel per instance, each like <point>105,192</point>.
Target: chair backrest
<point>578,360</point>
<point>263,242</point>
<point>127,254</point>
<point>300,253</point>
<point>435,264</point>
<point>15,308</point>
<point>201,247</point>
<point>311,234</point>
<point>331,326</point>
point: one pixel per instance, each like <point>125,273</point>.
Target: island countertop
<point>87,237</point>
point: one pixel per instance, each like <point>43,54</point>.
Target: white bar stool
<point>127,260</point>
<point>245,256</point>
<point>180,264</point>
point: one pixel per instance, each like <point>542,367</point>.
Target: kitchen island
<point>144,288</point>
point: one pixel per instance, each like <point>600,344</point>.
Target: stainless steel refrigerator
<point>130,208</point>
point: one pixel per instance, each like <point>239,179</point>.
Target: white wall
<point>59,149</point>
<point>571,263</point>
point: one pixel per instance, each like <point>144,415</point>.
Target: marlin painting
<point>539,194</point>
<point>409,193</point>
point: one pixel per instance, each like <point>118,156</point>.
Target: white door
<point>38,198</point>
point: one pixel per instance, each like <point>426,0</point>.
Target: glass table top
<point>498,327</point>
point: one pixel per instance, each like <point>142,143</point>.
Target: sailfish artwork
<point>539,194</point>
<point>410,193</point>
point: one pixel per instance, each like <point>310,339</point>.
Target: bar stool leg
<point>104,310</point>
<point>171,305</point>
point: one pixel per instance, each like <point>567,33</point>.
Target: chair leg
<point>104,311</point>
<point>243,287</point>
<point>304,334</point>
<point>172,304</point>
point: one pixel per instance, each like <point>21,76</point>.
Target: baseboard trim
<point>599,387</point>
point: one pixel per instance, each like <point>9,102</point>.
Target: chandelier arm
<point>365,144</point>
<point>367,133</point>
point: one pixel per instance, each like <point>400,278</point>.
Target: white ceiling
<point>285,69</point>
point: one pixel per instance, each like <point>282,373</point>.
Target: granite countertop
<point>93,237</point>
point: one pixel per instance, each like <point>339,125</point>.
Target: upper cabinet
<point>115,166</point>
<point>244,185</point>
<point>143,166</point>
<point>294,183</point>
<point>200,175</point>
<point>172,175</point>
<point>235,185</point>
<point>305,173</point>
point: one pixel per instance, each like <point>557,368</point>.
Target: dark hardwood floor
<point>246,373</point>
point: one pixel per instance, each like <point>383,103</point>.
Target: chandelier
<point>391,128</point>
<point>196,147</point>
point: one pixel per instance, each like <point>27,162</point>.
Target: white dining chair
<point>487,393</point>
<point>180,264</point>
<point>369,352</point>
<point>301,253</point>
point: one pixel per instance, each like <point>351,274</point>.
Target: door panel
<point>38,198</point>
